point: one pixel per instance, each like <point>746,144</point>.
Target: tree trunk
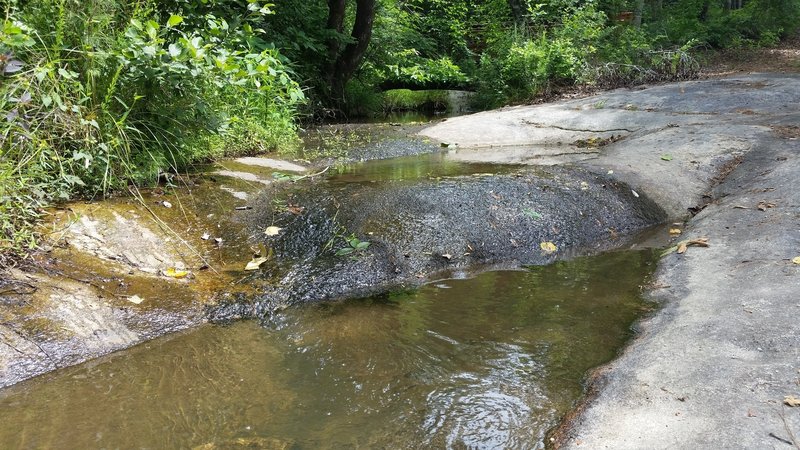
<point>350,58</point>
<point>637,13</point>
<point>517,11</point>
<point>336,14</point>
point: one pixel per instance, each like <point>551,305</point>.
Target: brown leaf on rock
<point>296,210</point>
<point>763,205</point>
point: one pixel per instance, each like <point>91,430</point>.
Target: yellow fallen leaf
<point>548,247</point>
<point>255,263</point>
<point>796,260</point>
<point>273,231</point>
<point>791,400</point>
<point>176,273</point>
<point>675,231</point>
<point>682,247</point>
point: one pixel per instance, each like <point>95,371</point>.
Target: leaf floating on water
<point>548,247</point>
<point>273,231</point>
<point>791,401</point>
<point>176,273</point>
<point>796,260</point>
<point>135,299</point>
<point>255,263</point>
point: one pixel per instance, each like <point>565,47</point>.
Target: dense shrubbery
<point>96,94</point>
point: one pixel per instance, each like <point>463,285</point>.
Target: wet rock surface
<point>435,228</point>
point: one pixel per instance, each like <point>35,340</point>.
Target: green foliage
<point>757,23</point>
<point>97,94</point>
<point>408,100</point>
<point>354,245</point>
<point>408,68</point>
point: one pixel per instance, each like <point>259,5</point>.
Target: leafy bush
<point>97,94</point>
<point>408,100</point>
<point>411,69</point>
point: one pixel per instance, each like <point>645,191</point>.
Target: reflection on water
<point>489,362</point>
<point>432,165</point>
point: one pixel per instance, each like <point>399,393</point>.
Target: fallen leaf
<point>296,210</point>
<point>791,401</point>
<point>548,247</point>
<point>666,157</point>
<point>675,231</point>
<point>682,246</point>
<point>796,260</point>
<point>176,273</point>
<point>205,236</point>
<point>218,241</point>
<point>255,263</point>
<point>447,256</point>
<point>273,231</point>
<point>166,204</point>
<point>135,299</point>
<point>763,206</point>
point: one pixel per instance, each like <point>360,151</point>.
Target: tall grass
<point>99,94</point>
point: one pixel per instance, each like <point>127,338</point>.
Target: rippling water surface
<point>488,362</point>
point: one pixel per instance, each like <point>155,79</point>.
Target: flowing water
<point>488,362</point>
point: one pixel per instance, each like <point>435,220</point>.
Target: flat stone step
<point>246,176</point>
<point>277,164</point>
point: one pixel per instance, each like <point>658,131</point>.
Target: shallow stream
<point>489,362</point>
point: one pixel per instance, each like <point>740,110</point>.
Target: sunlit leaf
<point>548,247</point>
<point>176,273</point>
<point>255,263</point>
<point>174,20</point>
<point>273,231</point>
